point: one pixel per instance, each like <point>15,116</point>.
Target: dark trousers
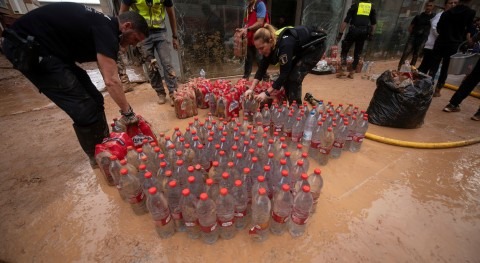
<point>468,84</point>
<point>442,54</point>
<point>427,62</point>
<point>413,46</point>
<point>302,66</point>
<point>252,55</point>
<point>357,36</point>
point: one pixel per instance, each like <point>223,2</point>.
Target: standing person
<point>154,12</point>
<point>452,29</point>
<point>255,15</point>
<point>472,31</point>
<point>419,29</point>
<point>468,84</point>
<point>45,49</point>
<point>297,50</point>
<point>427,66</point>
<point>362,19</point>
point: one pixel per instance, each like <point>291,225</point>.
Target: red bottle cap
<point>152,190</point>
<point>238,183</point>
<point>224,191</point>
<point>286,187</point>
<point>203,196</point>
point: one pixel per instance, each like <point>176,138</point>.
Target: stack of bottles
<point>218,177</point>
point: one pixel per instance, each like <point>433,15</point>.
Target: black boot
<point>89,136</point>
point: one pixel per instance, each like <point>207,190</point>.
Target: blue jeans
<point>157,42</point>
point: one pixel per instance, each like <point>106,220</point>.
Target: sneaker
<point>476,116</point>
<point>451,108</point>
<point>162,99</point>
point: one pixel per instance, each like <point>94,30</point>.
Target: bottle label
<point>190,224</point>
<point>227,223</point>
<point>208,229</point>
<point>240,214</point>
<point>137,198</point>
<point>279,219</point>
<point>349,138</point>
<point>278,128</point>
<point>296,138</point>
<point>259,227</point>
<point>315,145</point>
<point>183,106</point>
<point>324,150</point>
<point>338,144</point>
<point>177,216</point>
<point>358,137</point>
<point>233,105</point>
<point>299,221</point>
<point>163,221</point>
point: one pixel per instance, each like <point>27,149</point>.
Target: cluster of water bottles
<point>218,177</point>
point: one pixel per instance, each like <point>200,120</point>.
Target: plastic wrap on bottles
<point>400,106</point>
<point>142,130</point>
<point>185,103</point>
<point>116,144</point>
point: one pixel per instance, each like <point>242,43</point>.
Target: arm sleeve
<point>261,10</point>
<point>350,14</point>
<point>262,69</point>
<point>414,21</point>
<point>441,24</point>
<point>285,50</point>
<point>168,3</point>
<point>373,17</point>
<point>106,43</point>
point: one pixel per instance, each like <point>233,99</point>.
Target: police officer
<point>297,50</point>
<point>362,19</point>
<point>45,45</point>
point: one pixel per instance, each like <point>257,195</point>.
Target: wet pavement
<point>382,204</point>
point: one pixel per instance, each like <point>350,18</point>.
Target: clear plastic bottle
<point>261,208</point>
<point>226,214</point>
<point>359,135</point>
<point>297,132</point>
<point>149,182</point>
<point>326,146</point>
<point>318,133</point>
<point>212,189</point>
<point>301,183</point>
<point>285,179</point>
<point>351,132</point>
<point>261,182</point>
<point>308,129</point>
<point>114,169</point>
<point>226,181</point>
<point>132,170</point>
<point>302,204</point>
<point>340,135</point>
<point>174,194</point>
<point>287,128</point>
<point>207,219</point>
<point>131,191</point>
<point>158,207</point>
<point>188,204</point>
<point>297,172</point>
<point>132,156</point>
<point>316,184</point>
<point>278,120</point>
<point>202,73</point>
<point>240,195</point>
<point>195,186</point>
<point>282,208</point>
<point>267,117</point>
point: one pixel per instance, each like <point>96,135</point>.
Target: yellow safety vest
<point>364,9</point>
<point>154,15</point>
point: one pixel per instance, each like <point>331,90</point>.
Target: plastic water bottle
<point>282,207</point>
<point>261,182</point>
<point>297,131</point>
<point>316,184</point>
<point>357,139</point>
<point>149,182</point>
<point>315,144</point>
<point>302,204</point>
<point>308,129</point>
<point>132,156</point>
<point>326,146</point>
<point>225,182</point>
<point>340,135</point>
<point>212,189</point>
<point>226,214</point>
<point>131,191</point>
<point>173,196</point>
<point>188,204</point>
<point>240,195</point>
<point>351,131</point>
<point>297,172</point>
<point>202,73</point>
<point>114,169</point>
<point>261,208</point>
<point>278,120</point>
<point>195,186</point>
<point>207,218</point>
<point>301,183</point>
<point>158,207</point>
<point>287,128</point>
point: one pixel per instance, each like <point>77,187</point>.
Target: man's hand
<point>248,93</point>
<point>243,30</point>
<point>261,97</point>
<point>175,43</point>
<point>153,65</point>
<point>339,37</point>
<point>128,118</point>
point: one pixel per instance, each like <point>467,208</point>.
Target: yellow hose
<point>452,87</point>
<point>422,145</point>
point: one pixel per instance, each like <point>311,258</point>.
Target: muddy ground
<point>382,204</point>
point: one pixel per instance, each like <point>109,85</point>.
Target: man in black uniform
<point>46,43</point>
<point>362,19</point>
<point>297,50</point>
<point>419,29</point>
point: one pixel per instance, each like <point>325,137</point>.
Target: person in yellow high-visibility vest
<point>154,12</point>
<point>362,19</point>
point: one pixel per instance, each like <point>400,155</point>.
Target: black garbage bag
<point>398,106</point>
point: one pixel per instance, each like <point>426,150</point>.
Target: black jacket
<point>452,26</point>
